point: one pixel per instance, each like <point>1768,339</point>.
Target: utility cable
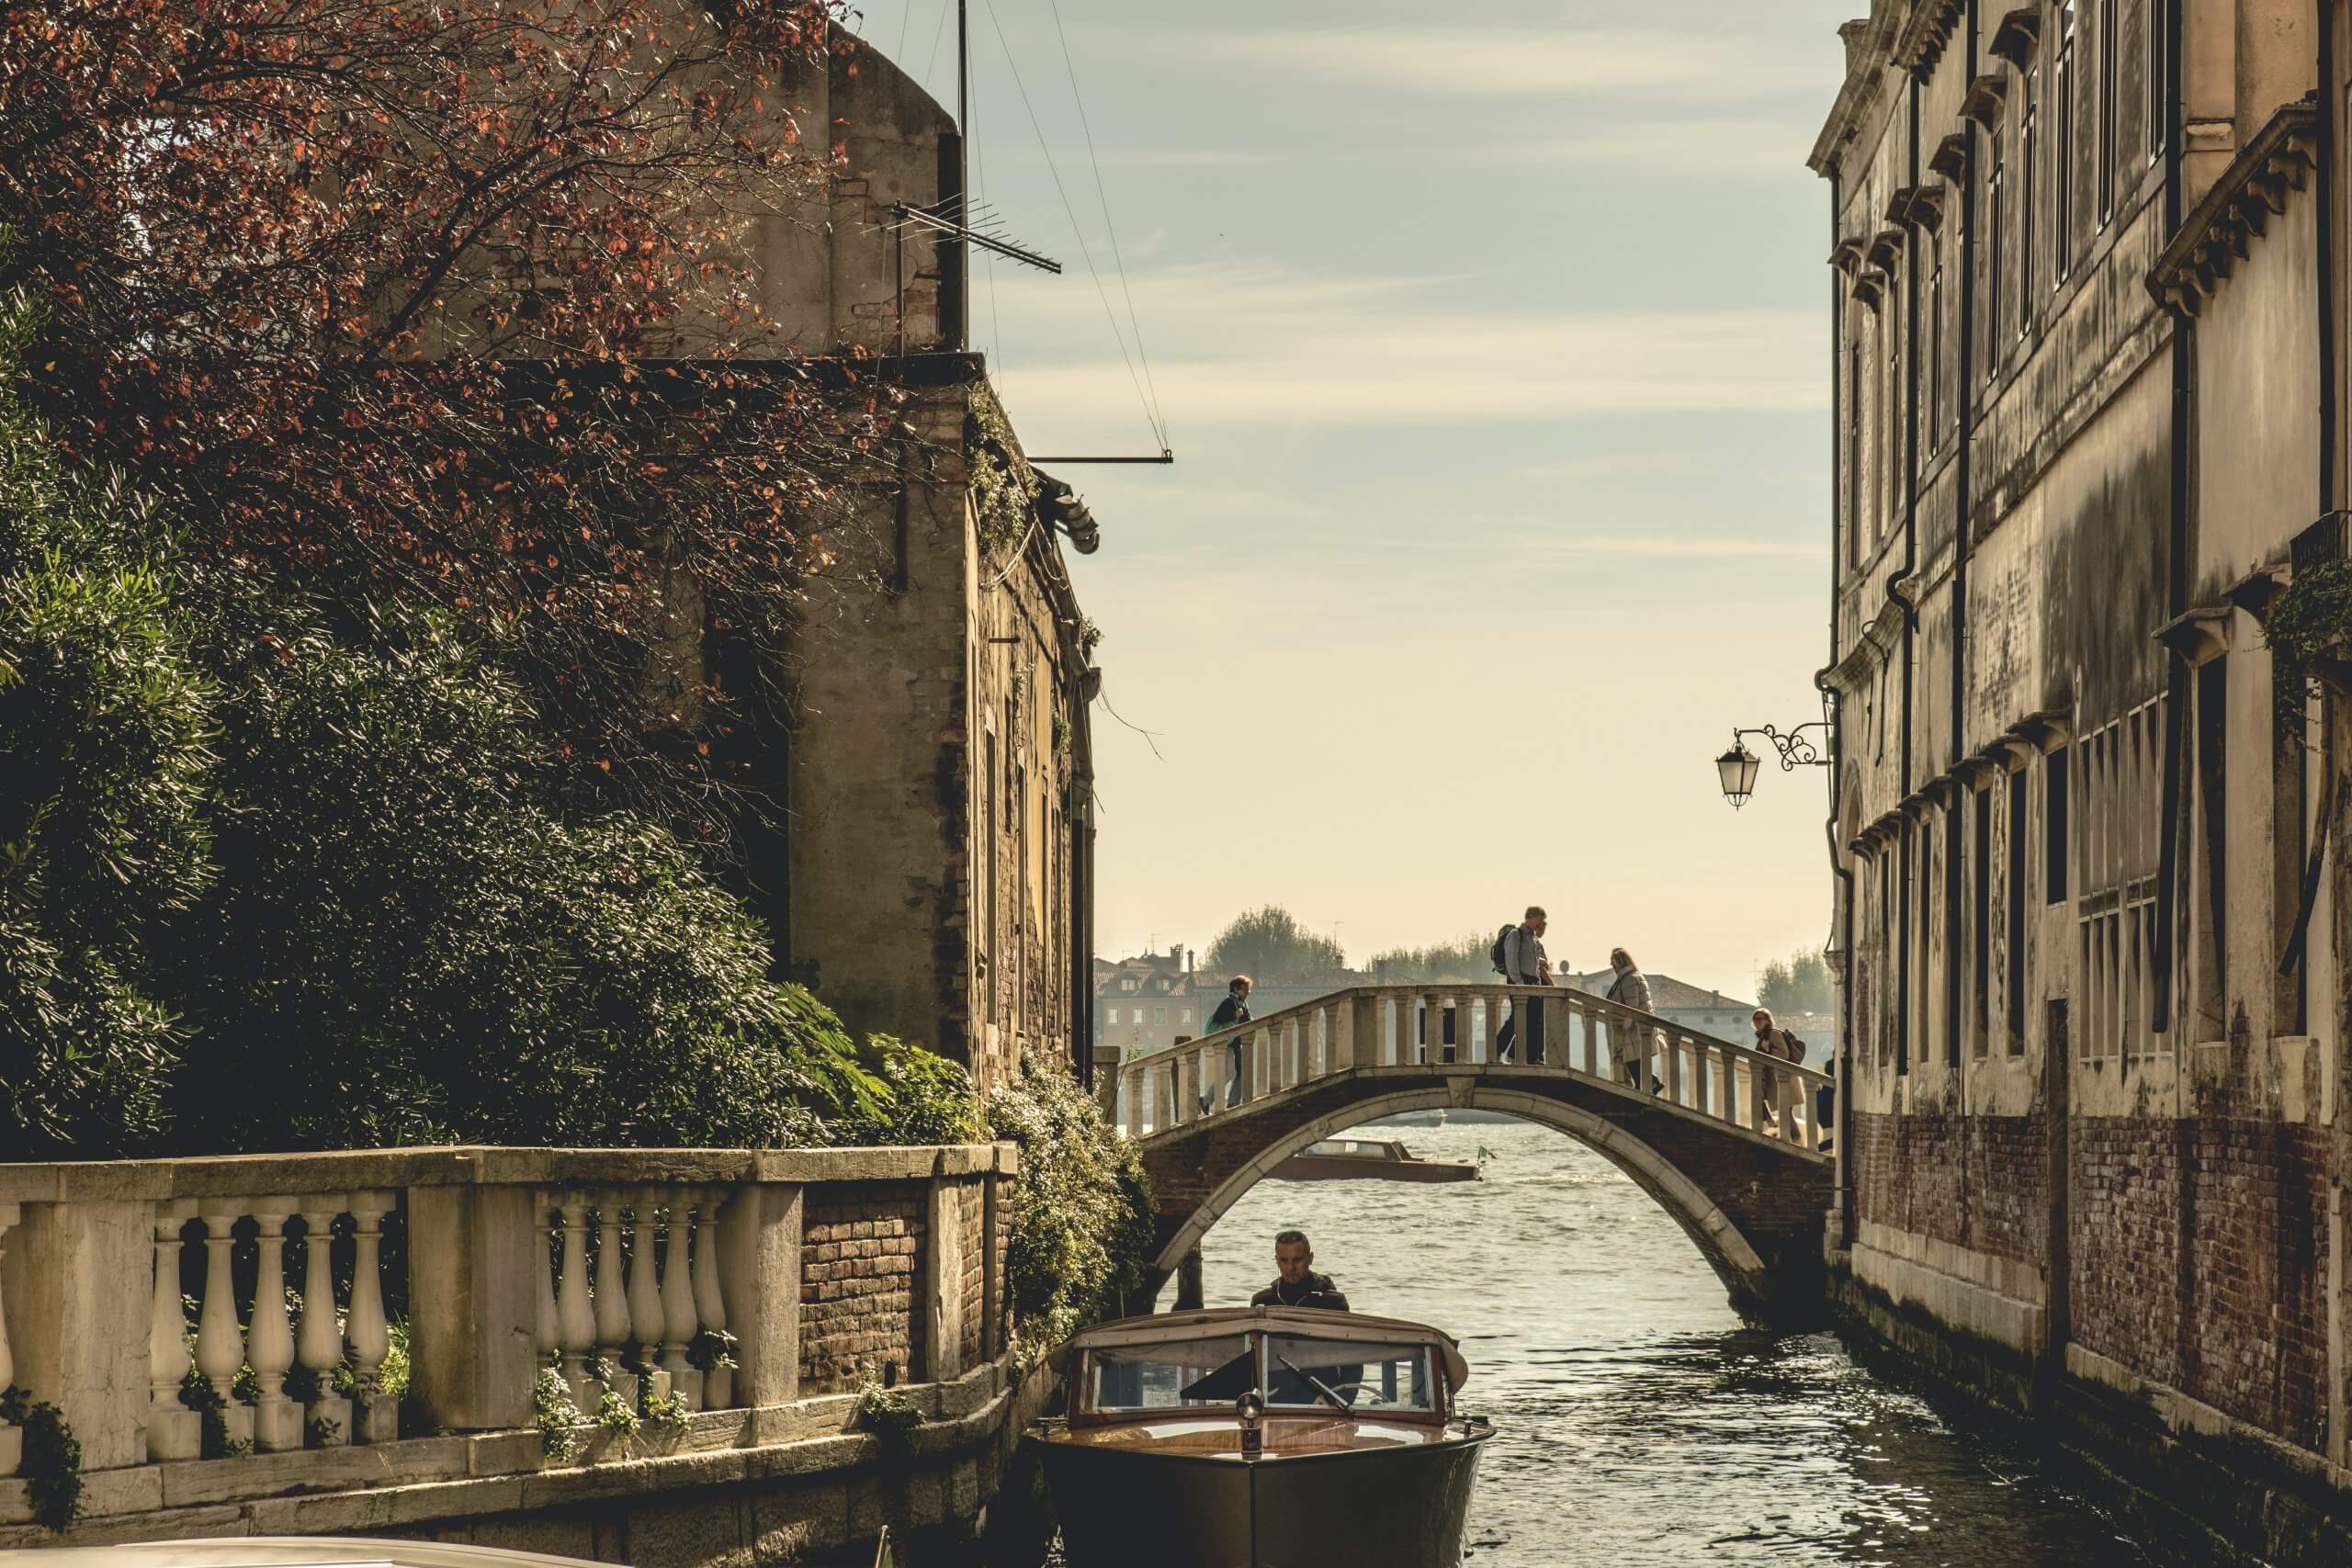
<point>1108,313</point>
<point>1135,323</point>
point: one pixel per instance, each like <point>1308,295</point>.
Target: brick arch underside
<point>1744,1275</point>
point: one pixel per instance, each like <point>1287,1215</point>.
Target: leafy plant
<point>711,1350</point>
<point>888,1412</point>
<point>212,1424</point>
<point>1081,1229</point>
<point>612,1413</point>
<point>556,1416</point>
<point>924,1098</point>
<point>51,1465</point>
<point>2309,633</point>
<point>1005,488</point>
<point>668,1413</point>
<point>321,1432</point>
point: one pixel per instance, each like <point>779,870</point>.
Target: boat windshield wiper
<point>1316,1384</point>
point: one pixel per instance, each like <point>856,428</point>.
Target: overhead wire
<point>1109,314</point>
<point>1135,322</point>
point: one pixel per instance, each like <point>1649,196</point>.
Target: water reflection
<point>1638,1421</point>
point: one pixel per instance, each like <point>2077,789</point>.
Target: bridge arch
<point>1754,1284</point>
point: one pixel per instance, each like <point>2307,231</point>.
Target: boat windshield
<point>1361,1374</point>
<point>1188,1372</point>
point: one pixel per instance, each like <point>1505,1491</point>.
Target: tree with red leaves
<point>445,303</point>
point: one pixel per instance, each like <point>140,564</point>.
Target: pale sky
<point>1495,357</point>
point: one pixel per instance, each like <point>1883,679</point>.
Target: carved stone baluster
<point>219,1346</point>
<point>644,1293</point>
<point>612,1300</point>
<point>378,1416</point>
<point>12,1440</point>
<point>710,1301</point>
<point>269,1343</point>
<point>575,1317</point>
<point>173,1431</point>
<point>1591,1044</point>
<point>320,1343</point>
<point>1700,1079</point>
<point>1131,1081</point>
<point>547,1328</point>
<point>678,1319</point>
<point>1674,1044</point>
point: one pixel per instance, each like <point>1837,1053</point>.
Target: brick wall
<point>861,1250</point>
<point>970,1208</point>
<point>1974,1181</point>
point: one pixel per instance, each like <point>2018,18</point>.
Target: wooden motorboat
<point>1374,1159</point>
<point>1262,1437</point>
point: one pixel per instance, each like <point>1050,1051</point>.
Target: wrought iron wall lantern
<point>1738,767</point>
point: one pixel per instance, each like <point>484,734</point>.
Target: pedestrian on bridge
<point>1633,1046</point>
<point>1772,1040</point>
<point>1523,964</point>
<point>1231,1013</point>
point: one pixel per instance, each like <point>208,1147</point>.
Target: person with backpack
<point>1231,1013</point>
<point>1518,957</point>
<point>1635,1052</point>
<point>1772,1040</point>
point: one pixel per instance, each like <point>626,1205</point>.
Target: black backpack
<point>1502,945</point>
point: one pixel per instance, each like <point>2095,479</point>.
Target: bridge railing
<point>1558,1030</point>
<point>295,1295</point>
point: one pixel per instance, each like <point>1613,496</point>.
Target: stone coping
<point>421,1480</point>
<point>234,1176</point>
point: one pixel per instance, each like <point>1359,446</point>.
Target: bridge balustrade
<point>135,1294</point>
<point>1456,1029</point>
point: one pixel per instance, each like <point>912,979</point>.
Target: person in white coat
<point>1632,1048</point>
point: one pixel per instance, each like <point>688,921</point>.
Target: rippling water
<point>1637,1420</point>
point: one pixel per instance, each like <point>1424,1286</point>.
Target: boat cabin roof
<point>1305,1323</point>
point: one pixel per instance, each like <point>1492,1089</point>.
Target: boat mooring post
<point>1188,1282</point>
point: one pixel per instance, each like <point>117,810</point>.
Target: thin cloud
<point>1729,150</point>
<point>1455,61</point>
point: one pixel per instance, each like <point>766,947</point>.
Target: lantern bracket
<point>1796,749</point>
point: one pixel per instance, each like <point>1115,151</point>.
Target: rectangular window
<point>1159,1015</point>
<point>1893,467</point>
<point>2289,844</point>
<point>1993,258</point>
<point>2156,12</point>
<point>1183,1015</point>
<point>2029,144</point>
<point>1981,831</point>
<point>2054,825</point>
<point>1111,1016</point>
<point>2212,789</point>
<point>1921,988</point>
<point>1936,347</point>
<point>2016,979</point>
<point>1854,452</point>
<point>2062,228</point>
<point>2110,27</point>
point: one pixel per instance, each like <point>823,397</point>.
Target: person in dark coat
<point>1233,1011</point>
<point>1296,1284</point>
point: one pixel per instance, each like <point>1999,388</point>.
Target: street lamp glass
<point>1737,769</point>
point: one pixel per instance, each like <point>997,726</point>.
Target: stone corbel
<point>2255,590</point>
<point>2018,34</point>
<point>1920,206</point>
<point>1847,256</point>
<point>1916,806</point>
<point>2006,755</point>
<point>2045,731</point>
<point>1940,791</point>
<point>1951,158</point>
<point>1987,96</point>
<point>1886,249</point>
<point>2198,635</point>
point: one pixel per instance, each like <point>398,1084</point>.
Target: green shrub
<point>924,1099</point>
<point>105,745</point>
<point>1082,1226</point>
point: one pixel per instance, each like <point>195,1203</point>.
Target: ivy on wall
<point>2309,633</point>
<point>1005,488</point>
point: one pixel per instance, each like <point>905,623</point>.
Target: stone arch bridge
<point>1729,1144</point>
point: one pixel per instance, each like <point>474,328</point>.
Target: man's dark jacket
<point>1316,1292</point>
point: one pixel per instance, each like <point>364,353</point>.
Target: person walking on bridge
<point>1523,964</point>
<point>1232,1011</point>
<point>1772,1040</point>
<point>1633,1048</point>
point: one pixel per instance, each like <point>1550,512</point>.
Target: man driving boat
<point>1295,1283</point>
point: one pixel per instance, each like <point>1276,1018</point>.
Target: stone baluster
<point>678,1319</point>
<point>377,1418</point>
<point>547,1329</point>
<point>1751,1114</point>
<point>1132,1080</point>
<point>219,1346</point>
<point>710,1301</point>
<point>575,1315</point>
<point>612,1300</point>
<point>319,1345</point>
<point>173,1431</point>
<point>12,1440</point>
<point>1701,1078</point>
<point>1674,1044</point>
<point>269,1341</point>
<point>1589,1042</point>
<point>1185,1071</point>
<point>645,1316</point>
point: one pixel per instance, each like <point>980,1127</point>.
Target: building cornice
<point>2217,232</point>
<point>1870,51</point>
<point>1925,35</point>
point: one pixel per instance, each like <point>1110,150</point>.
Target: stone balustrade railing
<point>271,1288</point>
<point>1442,1025</point>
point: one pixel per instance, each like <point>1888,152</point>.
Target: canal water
<point>1639,1422</point>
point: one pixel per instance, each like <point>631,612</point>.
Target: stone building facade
<point>933,764</point>
<point>2086,307</point>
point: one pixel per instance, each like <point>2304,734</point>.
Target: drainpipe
<point>2324,192</point>
<point>1842,1208</point>
<point>2168,866</point>
<point>1963,523</point>
<point>1898,593</point>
